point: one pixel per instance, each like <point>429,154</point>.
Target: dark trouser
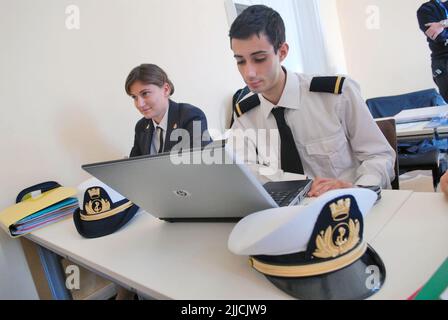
<point>440,76</point>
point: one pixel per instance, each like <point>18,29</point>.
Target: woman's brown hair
<point>148,74</point>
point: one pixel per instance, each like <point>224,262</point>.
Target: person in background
<point>444,184</point>
<point>150,89</point>
<point>433,21</point>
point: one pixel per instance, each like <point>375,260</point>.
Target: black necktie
<point>160,131</point>
<point>290,156</point>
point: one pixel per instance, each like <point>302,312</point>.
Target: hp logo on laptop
<point>182,194</point>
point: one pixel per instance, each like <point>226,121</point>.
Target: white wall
<point>292,16</point>
<point>309,51</point>
<point>331,27</point>
<point>393,59</point>
<point>62,96</point>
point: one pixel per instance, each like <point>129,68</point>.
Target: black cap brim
<point>358,281</point>
<point>104,227</point>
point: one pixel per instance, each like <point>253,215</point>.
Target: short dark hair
<point>256,20</point>
<point>148,74</point>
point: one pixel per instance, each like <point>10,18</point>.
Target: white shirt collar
<point>290,98</point>
<point>164,123</point>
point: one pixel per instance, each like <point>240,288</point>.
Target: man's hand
<point>444,184</point>
<point>321,186</point>
<point>435,28</point>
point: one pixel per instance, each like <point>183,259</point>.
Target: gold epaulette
<point>247,104</point>
<point>327,84</point>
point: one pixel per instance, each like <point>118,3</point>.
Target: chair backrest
<point>383,107</point>
<point>389,129</point>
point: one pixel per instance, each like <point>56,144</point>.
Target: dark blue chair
<point>384,107</point>
<point>420,155</point>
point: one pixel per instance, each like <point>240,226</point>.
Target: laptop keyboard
<point>284,198</point>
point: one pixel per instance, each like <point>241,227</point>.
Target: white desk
<point>414,244</point>
<point>191,261</point>
<point>414,129</point>
<point>418,130</point>
<point>419,114</point>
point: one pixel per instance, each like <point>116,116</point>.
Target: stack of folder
<point>38,211</point>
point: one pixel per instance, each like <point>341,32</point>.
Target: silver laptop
<point>206,191</point>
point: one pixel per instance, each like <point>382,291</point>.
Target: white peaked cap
<point>287,230</point>
<point>93,182</point>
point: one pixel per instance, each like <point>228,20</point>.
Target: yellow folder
<point>19,211</point>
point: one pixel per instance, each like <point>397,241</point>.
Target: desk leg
<point>54,272</point>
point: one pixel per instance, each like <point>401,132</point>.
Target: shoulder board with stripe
<point>247,104</point>
<point>327,84</point>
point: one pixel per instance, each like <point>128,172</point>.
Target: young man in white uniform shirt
<point>338,142</point>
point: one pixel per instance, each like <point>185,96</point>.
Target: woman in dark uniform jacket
<point>150,88</point>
